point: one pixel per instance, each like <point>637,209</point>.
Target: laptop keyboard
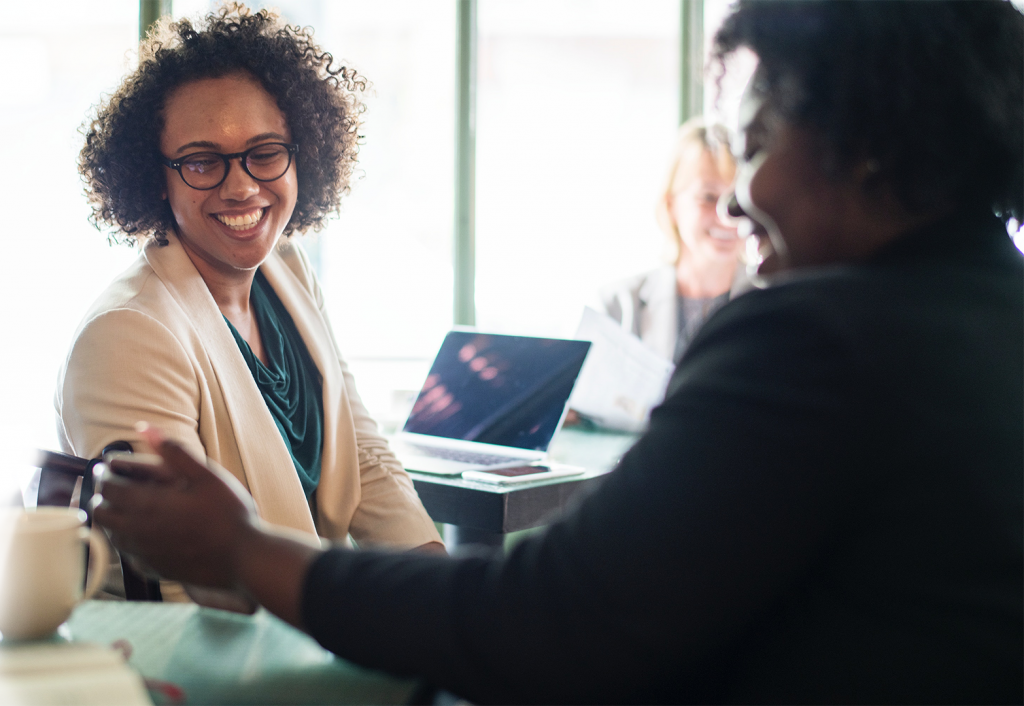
<point>477,459</point>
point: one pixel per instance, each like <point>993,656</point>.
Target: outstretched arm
<point>190,523</point>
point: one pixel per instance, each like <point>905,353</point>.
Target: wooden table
<point>483,513</point>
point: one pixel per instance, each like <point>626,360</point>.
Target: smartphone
<point>523,474</point>
<point>132,465</point>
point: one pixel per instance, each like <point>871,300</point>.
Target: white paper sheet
<point>622,379</point>
<point>67,674</point>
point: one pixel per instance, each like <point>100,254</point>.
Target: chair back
<point>59,475</point>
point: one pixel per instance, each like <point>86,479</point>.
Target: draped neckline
<point>289,382</point>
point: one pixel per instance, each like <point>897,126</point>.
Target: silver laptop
<point>489,401</point>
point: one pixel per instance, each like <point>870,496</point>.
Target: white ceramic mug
<point>41,568</point>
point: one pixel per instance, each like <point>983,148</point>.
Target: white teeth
<point>243,222</point>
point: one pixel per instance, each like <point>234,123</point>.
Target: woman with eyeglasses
<point>231,137</point>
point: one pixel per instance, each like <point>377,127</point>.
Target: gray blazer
<point>645,305</point>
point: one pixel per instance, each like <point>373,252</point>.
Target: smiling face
<point>812,217</point>
<point>230,230</point>
<point>695,193</point>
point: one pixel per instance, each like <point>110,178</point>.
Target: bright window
<point>577,114</point>
<point>386,264</point>
<point>58,62</point>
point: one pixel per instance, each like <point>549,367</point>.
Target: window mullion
<point>464,244</point>
<point>691,59</point>
<point>149,12</point>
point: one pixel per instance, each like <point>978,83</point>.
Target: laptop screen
<point>506,390</point>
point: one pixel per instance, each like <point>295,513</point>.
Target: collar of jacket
<point>265,458</point>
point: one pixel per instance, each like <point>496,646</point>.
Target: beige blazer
<point>155,347</point>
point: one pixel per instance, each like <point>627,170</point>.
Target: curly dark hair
<point>321,104</point>
<point>929,92</point>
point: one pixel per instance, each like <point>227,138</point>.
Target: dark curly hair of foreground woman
<point>927,94</point>
<point>120,160</point>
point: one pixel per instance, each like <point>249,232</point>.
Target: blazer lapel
<point>267,465</point>
<point>659,323</point>
<point>315,332</point>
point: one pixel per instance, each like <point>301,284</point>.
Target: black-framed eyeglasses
<point>208,170</point>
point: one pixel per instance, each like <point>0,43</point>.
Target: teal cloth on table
<point>290,384</point>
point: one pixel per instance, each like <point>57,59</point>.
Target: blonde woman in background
<point>666,307</point>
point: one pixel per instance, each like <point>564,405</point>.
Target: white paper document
<point>622,379</point>
<point>67,674</point>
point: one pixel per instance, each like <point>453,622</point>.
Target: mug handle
<point>99,559</point>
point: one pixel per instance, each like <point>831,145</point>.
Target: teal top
<point>290,384</point>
